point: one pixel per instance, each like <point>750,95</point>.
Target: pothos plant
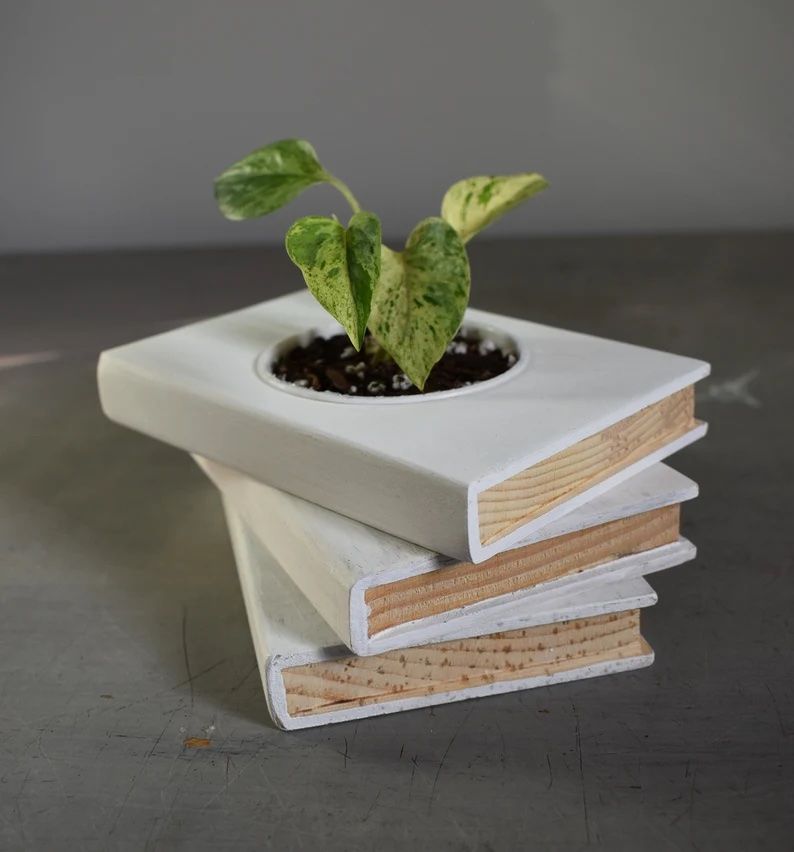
<point>412,301</point>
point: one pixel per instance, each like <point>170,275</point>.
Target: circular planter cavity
<point>263,367</point>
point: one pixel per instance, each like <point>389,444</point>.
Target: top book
<point>467,473</point>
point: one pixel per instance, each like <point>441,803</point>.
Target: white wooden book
<point>310,679</point>
<point>379,593</point>
<point>468,473</point>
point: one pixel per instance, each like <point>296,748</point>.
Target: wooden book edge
<point>533,492</point>
<point>461,668</point>
<point>462,584</point>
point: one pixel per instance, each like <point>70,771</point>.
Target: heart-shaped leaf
<point>268,178</point>
<point>472,204</point>
<point>340,266</point>
<point>421,296</point>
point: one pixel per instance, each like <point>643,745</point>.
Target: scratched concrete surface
<point>122,630</point>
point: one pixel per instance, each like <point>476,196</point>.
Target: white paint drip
<point>11,362</point>
<point>734,390</point>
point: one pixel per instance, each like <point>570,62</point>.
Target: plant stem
<point>376,351</point>
<point>345,190</point>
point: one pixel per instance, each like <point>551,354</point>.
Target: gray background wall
<point>645,116</point>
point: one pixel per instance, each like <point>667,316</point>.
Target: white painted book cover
<point>467,473</point>
<point>379,593</point>
<point>310,679</point>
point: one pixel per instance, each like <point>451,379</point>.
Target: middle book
<point>380,593</point>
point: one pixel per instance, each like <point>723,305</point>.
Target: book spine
<point>392,496</point>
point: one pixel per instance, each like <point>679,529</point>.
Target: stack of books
<point>418,550</point>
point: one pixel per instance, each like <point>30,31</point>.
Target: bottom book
<point>310,679</point>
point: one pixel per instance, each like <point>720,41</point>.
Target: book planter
<point>426,502</point>
<point>468,475</point>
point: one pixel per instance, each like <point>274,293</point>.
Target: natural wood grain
<point>450,666</point>
<point>529,494</point>
<point>463,583</point>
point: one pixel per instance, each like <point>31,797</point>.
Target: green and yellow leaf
<point>420,299</point>
<point>268,178</point>
<point>340,266</point>
<point>472,204</point>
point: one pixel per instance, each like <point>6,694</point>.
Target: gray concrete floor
<point>122,630</point>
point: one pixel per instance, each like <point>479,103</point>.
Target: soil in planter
<point>332,364</point>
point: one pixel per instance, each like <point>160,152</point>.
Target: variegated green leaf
<point>472,204</point>
<point>340,266</point>
<point>362,249</point>
<point>420,299</point>
<point>268,178</point>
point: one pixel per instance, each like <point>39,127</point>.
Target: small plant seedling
<point>412,301</point>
